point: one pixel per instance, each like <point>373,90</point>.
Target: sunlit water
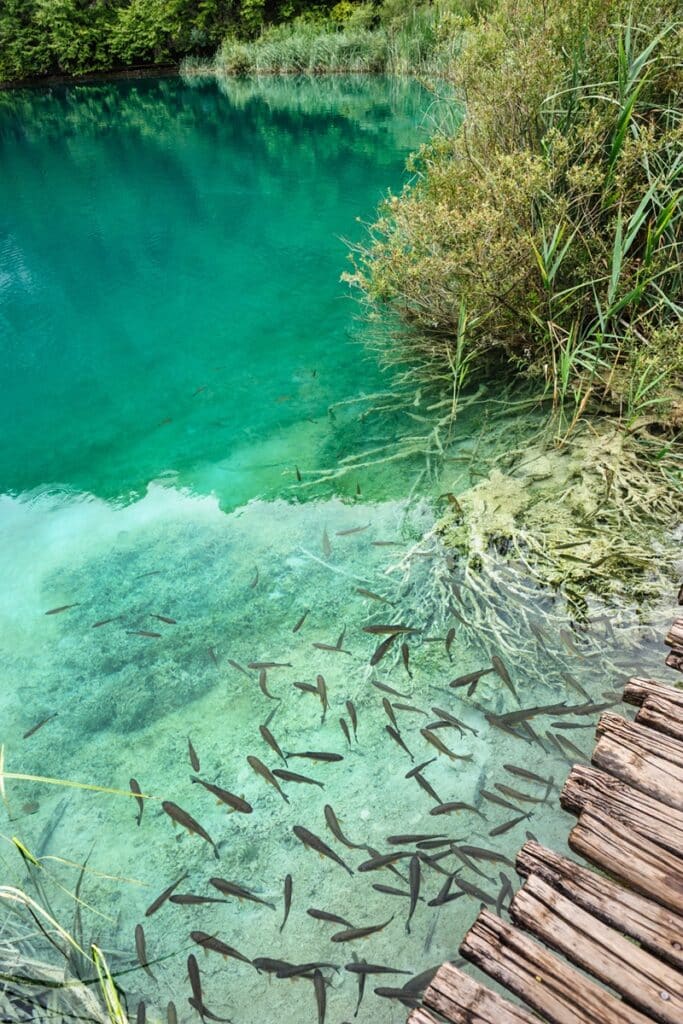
<point>173,336</point>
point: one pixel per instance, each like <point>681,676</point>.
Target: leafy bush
<point>554,216</point>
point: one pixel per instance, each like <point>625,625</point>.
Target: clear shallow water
<point>193,244</point>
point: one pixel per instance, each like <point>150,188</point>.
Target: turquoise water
<point>174,334</point>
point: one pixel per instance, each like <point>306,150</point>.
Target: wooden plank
<point>675,659</point>
<point>640,978</point>
<point>657,929</point>
<point>661,715</point>
<point>548,985</point>
<point>635,736</point>
<point>421,1016</point>
<point>674,638</point>
<point>614,799</point>
<point>650,870</point>
<point>463,1000</point>
<point>638,690</point>
<point>653,775</point>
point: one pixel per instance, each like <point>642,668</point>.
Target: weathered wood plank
<point>548,985</point>
<point>656,928</point>
<point>675,659</point>
<point>653,775</point>
<point>674,638</point>
<point>638,690</point>
<point>634,736</point>
<point>663,716</point>
<point>650,870</point>
<point>463,1000</point>
<point>614,799</point>
<point>421,1016</point>
<point>640,978</point>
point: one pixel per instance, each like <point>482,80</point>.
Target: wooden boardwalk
<point>622,924</point>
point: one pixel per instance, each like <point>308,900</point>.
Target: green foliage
<point>554,217</point>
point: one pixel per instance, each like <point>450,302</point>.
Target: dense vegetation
<point>548,230</point>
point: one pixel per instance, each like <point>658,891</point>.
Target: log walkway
<point>622,924</point>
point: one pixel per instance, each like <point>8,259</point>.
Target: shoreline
<point>134,71</point>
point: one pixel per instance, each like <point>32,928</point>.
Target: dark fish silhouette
<point>207,942</point>
<point>154,906</point>
<point>335,828</point>
<point>40,724</point>
<point>300,621</point>
<point>382,650</point>
<point>143,632</point>
<point>500,830</point>
<point>189,899</point>
<point>260,768</point>
<point>350,934</point>
<point>62,608</point>
<point>414,878</point>
<point>287,776</point>
<point>388,689</point>
<point>354,718</point>
<point>192,754</point>
<point>287,892</point>
<point>233,889</point>
<point>236,664</point>
<point>236,802</point>
<point>320,995</point>
<point>135,788</point>
<point>181,817</point>
<point>345,729</point>
<point>164,618</point>
<point>316,755</point>
<point>315,843</point>
<point>324,915</point>
<point>271,741</point>
<point>396,737</point>
<point>141,951</point>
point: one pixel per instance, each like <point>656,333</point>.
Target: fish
<point>62,608</point>
<point>502,671</point>
<point>314,842</point>
<point>236,664</point>
<point>204,1012</point>
<point>426,786</point>
<point>271,741</point>
<point>320,995</point>
<point>322,693</point>
<point>300,622</point>
<point>396,737</point>
<point>141,950</point>
<point>414,878</point>
<point>141,1013</point>
<point>233,889</point>
<point>456,722</point>
<point>260,768</point>
<point>419,768</point>
<point>390,890</point>
<point>254,582</point>
<point>177,814</point>
<point>413,837</point>
<point>236,802</point>
<point>210,942</point>
<point>135,788</point>
<point>386,543</point>
<point>330,647</point>
<point>269,664</point>
<point>325,543</point>
<point>405,657</point>
<point>298,473</point>
<point>143,632</point>
<point>572,747</point>
<point>103,622</point>
<point>263,685</point>
<point>288,776</point>
<point>575,685</point>
<point>482,853</point>
<point>316,755</point>
<point>506,892</point>
<point>189,899</point>
<point>573,725</point>
<point>345,729</point>
<point>513,717</point>
<point>354,529</point>
<point>350,934</point>
<point>404,997</point>
<point>444,894</point>
<point>455,805</point>
<point>332,823</point>
<point>450,637</point>
<point>361,988</point>
<point>380,651</point>
<point>475,891</point>
<point>302,970</point>
<point>362,967</point>
<point>199,390</point>
<point>324,915</point>
<point>164,618</point>
<point>287,895</point>
<point>39,725</point>
<point>382,860</point>
<point>340,640</point>
<point>524,773</point>
<point>171,1014</point>
<point>388,689</point>
<point>307,688</point>
<point>386,704</point>
<point>516,794</point>
<point>410,707</point>
<point>372,595</point>
<point>471,677</point>
<point>154,906</point>
<point>214,656</point>
<point>442,748</point>
<point>194,760</point>
<point>391,630</point>
<point>500,830</point>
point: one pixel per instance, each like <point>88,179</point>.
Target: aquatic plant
<point>553,217</point>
